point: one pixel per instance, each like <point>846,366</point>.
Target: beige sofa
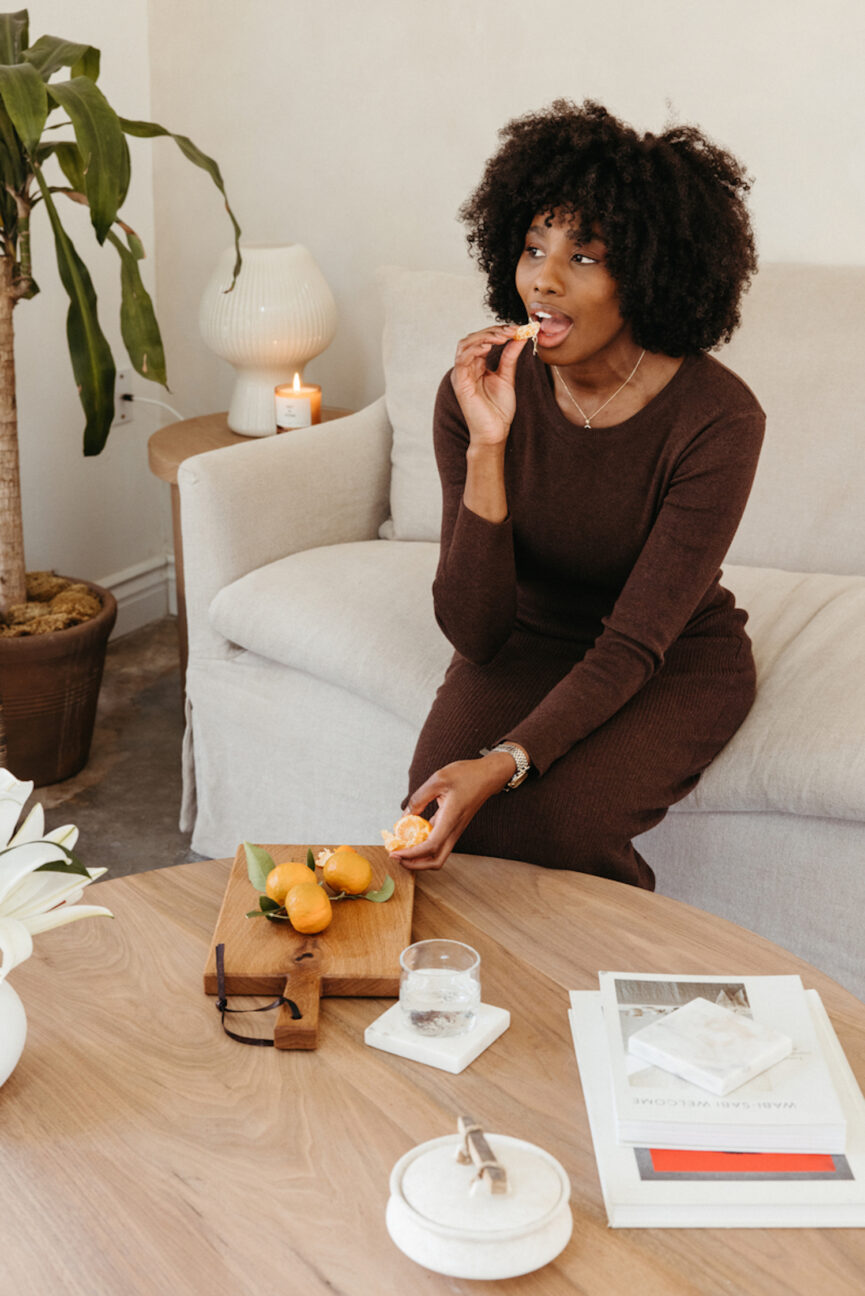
<point>314,655</point>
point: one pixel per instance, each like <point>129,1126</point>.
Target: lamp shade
<point>279,315</point>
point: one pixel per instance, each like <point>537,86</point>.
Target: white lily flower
<point>32,902</point>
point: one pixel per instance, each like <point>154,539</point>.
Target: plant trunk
<point>12,582</point>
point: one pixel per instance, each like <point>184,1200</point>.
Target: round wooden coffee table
<point>144,1152</point>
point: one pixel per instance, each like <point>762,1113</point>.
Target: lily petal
<point>40,892</point>
<point>16,945</point>
<point>13,794</point>
<point>60,917</point>
<point>32,829</point>
<point>17,861</point>
<point>66,836</point>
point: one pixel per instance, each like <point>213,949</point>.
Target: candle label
<point>293,412</point>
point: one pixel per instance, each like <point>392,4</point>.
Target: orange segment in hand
<point>530,330</point>
<point>411,830</point>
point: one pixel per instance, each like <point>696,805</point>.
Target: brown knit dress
<point>590,626</point>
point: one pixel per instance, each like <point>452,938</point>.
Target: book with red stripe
<point>655,1187</point>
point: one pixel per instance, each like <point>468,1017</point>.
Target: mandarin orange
<point>348,871</point>
<point>308,907</point>
<point>284,876</point>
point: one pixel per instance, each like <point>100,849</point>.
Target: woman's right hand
<point>486,397</point>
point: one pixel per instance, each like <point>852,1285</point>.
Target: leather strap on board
<point>223,1008</point>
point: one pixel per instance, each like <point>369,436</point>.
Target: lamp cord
<point>147,400</point>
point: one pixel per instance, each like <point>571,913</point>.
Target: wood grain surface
<point>145,1152</point>
<point>168,446</point>
<point>358,954</point>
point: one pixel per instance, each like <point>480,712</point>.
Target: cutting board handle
<point>302,988</point>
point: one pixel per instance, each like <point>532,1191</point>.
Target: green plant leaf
<point>104,151</point>
<point>13,168</point>
<point>138,326</point>
<point>266,905</point>
<point>136,247</point>
<point>92,361</point>
<point>256,913</point>
<point>310,859</point>
<point>72,864</point>
<point>258,865</point>
<point>150,130</point>
<point>384,892</point>
<point>277,917</point>
<point>49,53</point>
<point>71,164</point>
<point>13,36</point>
<point>64,866</point>
<point>25,100</point>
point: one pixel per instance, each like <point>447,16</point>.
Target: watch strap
<point>521,759</point>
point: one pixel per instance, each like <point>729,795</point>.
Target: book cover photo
<point>792,1105</point>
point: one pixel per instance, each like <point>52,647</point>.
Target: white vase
<point>279,315</point>
<point>13,1030</point>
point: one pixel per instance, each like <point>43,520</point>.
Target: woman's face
<point>566,287</point>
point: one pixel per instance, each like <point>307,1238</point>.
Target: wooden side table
<point>166,451</point>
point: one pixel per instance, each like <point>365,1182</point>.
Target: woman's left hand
<point>460,789</point>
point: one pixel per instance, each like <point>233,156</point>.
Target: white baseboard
<point>146,592</point>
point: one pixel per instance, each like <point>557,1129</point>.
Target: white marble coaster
<point>449,1053</point>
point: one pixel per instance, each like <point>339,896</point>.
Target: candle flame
<point>296,384</point>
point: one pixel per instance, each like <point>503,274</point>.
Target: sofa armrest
<point>248,505</point>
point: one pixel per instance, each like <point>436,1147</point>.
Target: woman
<point>591,490</point>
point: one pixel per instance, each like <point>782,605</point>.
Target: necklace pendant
<point>588,425</point>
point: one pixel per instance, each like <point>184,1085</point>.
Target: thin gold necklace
<point>583,414</point>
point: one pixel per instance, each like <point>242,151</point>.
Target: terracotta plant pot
<point>49,686</point>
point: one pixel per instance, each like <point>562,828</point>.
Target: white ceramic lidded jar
<point>277,317</point>
<point>471,1205</point>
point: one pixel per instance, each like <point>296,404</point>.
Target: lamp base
<point>252,411</point>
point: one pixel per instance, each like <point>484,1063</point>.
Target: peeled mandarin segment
<point>529,330</point>
<point>411,830</point>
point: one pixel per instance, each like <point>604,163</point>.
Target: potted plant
<point>49,681</point>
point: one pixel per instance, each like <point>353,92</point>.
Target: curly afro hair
<point>671,209</point>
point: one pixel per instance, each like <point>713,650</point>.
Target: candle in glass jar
<point>298,404</point>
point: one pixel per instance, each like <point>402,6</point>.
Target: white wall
<point>95,517</point>
<point>359,128</point>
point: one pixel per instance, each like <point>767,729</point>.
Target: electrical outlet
<point>123,387</point>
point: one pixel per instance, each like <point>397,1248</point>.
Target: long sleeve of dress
<point>475,587</point>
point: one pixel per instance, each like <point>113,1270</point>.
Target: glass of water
<point>440,987</point>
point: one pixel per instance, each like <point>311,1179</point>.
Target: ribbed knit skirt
<point>618,782</point>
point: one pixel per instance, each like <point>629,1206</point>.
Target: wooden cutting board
<point>358,954</point>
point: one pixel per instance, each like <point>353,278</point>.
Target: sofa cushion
<point>801,748</point>
<point>426,314</point>
<point>358,615</point>
<point>800,349</point>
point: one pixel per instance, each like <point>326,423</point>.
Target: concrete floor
<point>126,800</point>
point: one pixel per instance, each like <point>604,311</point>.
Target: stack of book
<point>784,1149</point>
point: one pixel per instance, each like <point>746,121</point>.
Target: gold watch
<point>523,763</point>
